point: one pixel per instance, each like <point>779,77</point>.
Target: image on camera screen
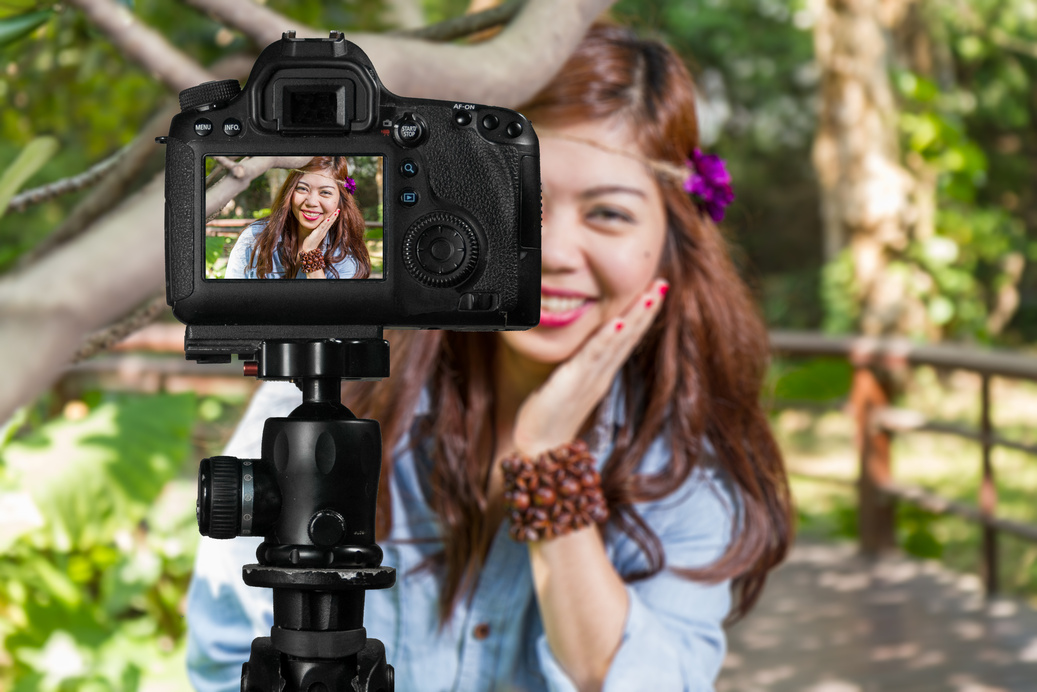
<point>294,217</point>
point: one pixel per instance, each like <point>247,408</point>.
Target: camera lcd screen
<point>294,217</point>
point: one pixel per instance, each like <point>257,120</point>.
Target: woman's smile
<point>559,308</point>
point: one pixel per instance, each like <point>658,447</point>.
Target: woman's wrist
<point>555,493</point>
<point>312,261</point>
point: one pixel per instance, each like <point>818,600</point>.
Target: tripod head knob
<point>219,497</point>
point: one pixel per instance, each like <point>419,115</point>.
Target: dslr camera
<point>400,213</point>
<point>449,194</point>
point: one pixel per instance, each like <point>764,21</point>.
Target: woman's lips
<point>559,308</point>
<point>311,216</point>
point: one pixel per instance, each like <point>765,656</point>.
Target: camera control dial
<point>209,94</point>
<point>440,249</point>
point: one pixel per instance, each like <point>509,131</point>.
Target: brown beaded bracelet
<point>312,261</point>
<point>554,494</point>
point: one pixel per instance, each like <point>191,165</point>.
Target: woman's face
<point>314,198</point>
<point>604,225</point>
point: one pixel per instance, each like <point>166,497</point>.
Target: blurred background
<point>883,160</point>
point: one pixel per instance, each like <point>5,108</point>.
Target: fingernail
<point>337,211</point>
<point>663,289</point>
<point>619,326</point>
<point>649,303</point>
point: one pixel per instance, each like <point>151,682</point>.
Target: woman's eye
<point>610,214</point>
<point>301,189</point>
<point>325,194</point>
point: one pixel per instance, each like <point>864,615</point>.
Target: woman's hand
<point>315,237</point>
<point>554,413</point>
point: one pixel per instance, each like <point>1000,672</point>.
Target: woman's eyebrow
<point>611,189</point>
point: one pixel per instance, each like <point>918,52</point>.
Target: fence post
<point>988,492</point>
<point>876,510</point>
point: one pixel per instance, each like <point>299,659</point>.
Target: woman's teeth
<point>558,304</point>
<point>311,217</point>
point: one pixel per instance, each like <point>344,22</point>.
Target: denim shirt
<point>673,638</point>
<point>239,264</point>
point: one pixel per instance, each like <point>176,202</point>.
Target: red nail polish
<point>619,326</point>
<point>648,303</point>
<point>663,289</point>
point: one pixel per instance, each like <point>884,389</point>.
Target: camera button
<point>232,127</point>
<point>462,118</point>
<point>408,169</point>
<point>202,127</point>
<point>409,131</point>
<point>514,129</point>
<point>490,122</point>
<point>408,197</point>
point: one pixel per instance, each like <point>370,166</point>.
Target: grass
<point>822,444</point>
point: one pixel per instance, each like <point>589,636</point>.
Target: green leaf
<point>821,379</point>
<point>94,477</point>
<point>941,310</point>
<point>215,246</point>
<point>33,156</point>
<point>19,26</point>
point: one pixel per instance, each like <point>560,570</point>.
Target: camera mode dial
<point>209,94</point>
<point>440,249</point>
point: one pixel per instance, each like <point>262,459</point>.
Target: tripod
<point>312,496</point>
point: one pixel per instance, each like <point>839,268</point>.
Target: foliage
<point>98,546</point>
<point>816,380</point>
<point>967,121</point>
<point>753,62</point>
<point>28,162</point>
<point>969,259</point>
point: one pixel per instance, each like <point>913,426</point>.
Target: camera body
<point>460,205</point>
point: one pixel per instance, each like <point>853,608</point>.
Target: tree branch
<point>238,180</point>
<point>111,188</point>
<point>104,339</point>
<point>507,70</point>
<point>126,172</point>
<point>259,23</point>
<point>107,271</point>
<point>75,183</point>
<point>143,44</point>
<point>467,24</point>
<point>404,14</point>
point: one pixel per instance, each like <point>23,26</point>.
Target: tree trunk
<point>871,204</point>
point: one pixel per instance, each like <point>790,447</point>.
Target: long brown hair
<point>696,377</point>
<point>281,233</point>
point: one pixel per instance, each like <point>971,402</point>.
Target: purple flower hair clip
<point>710,183</point>
<point>350,185</point>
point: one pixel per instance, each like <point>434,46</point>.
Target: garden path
<point>831,620</point>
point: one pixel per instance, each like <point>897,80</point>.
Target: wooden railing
<point>877,364</point>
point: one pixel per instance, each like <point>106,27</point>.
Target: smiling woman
<point>315,229</point>
<point>581,505</point>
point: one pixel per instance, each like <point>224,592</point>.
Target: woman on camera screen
<point>580,505</point>
<point>315,229</point>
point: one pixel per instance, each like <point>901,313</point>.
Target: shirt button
<point>481,631</point>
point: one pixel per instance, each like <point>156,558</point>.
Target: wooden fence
<point>878,363</point>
